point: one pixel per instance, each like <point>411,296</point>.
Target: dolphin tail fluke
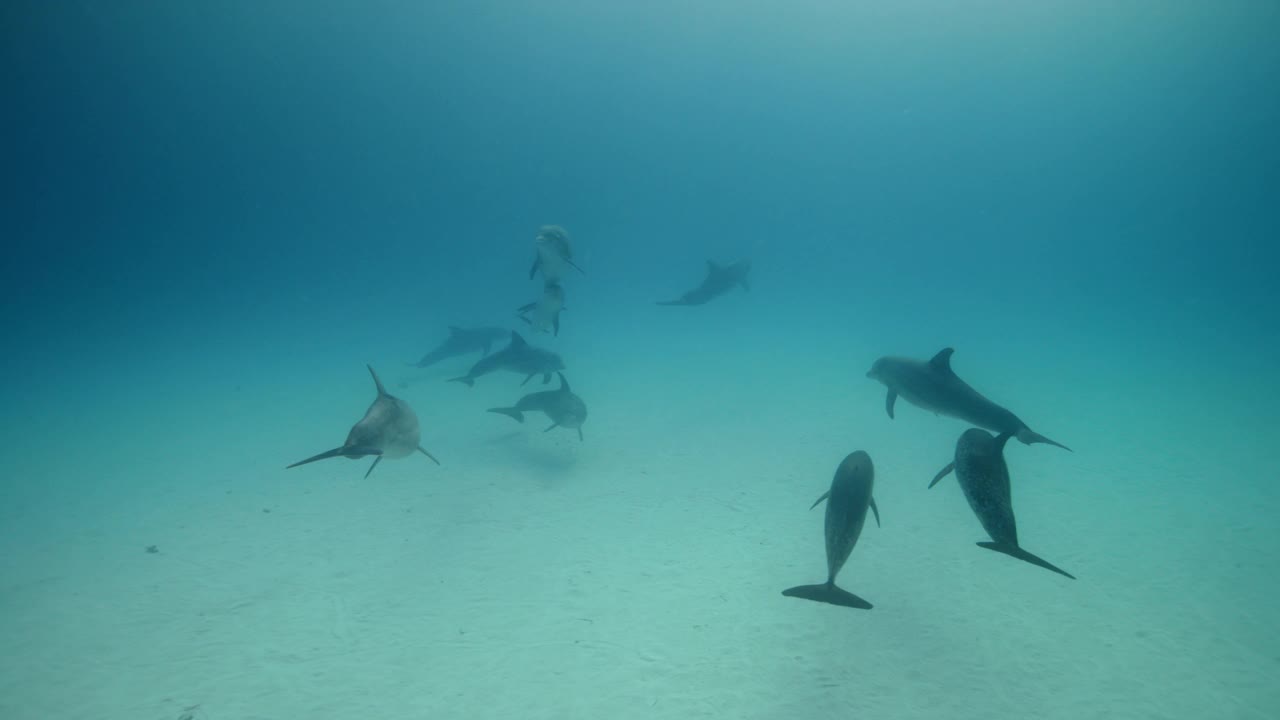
<point>509,412</point>
<point>1017,552</point>
<point>339,452</point>
<point>369,472</point>
<point>828,593</point>
<point>466,379</point>
<point>424,452</point>
<point>1029,437</point>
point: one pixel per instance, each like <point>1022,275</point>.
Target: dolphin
<point>934,386</point>
<point>388,429</point>
<point>847,503</point>
<point>720,279</point>
<point>545,310</point>
<point>984,476</point>
<point>553,254</point>
<point>518,357</point>
<point>565,409</point>
<point>462,341</point>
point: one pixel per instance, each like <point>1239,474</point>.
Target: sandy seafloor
<point>637,574</point>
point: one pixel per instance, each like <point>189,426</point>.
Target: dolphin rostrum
<point>462,341</point>
<point>388,429</point>
<point>517,357</point>
<point>562,407</point>
<point>720,279</point>
<point>984,476</point>
<point>934,386</point>
<point>553,254</point>
<point>544,313</point>
<point>847,503</point>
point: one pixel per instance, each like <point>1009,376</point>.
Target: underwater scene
<point>557,359</point>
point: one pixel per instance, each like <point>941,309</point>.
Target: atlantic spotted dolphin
<point>543,314</point>
<point>388,429</point>
<point>518,357</point>
<point>553,254</point>
<point>847,503</point>
<point>719,280</point>
<point>562,407</point>
<point>463,341</point>
<point>984,477</point>
<point>934,386</point>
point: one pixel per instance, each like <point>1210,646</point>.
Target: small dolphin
<point>388,429</point>
<point>720,279</point>
<point>934,386</point>
<point>545,310</point>
<point>847,503</point>
<point>984,477</point>
<point>518,357</point>
<point>565,409</point>
<point>553,254</point>
<point>462,341</point>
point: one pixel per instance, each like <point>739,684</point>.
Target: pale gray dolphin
<point>518,357</point>
<point>562,407</point>
<point>553,254</point>
<point>934,386</point>
<point>462,341</point>
<point>388,429</point>
<point>984,476</point>
<point>543,315</point>
<point>720,279</point>
<point>847,503</point>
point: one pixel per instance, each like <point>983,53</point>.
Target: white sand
<point>638,574</point>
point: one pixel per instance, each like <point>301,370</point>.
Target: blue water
<point>214,215</point>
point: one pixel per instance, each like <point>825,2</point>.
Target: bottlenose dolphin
<point>720,279</point>
<point>518,357</point>
<point>553,254</point>
<point>847,503</point>
<point>984,476</point>
<point>388,429</point>
<point>565,409</point>
<point>545,310</point>
<point>462,341</point>
<point>934,386</point>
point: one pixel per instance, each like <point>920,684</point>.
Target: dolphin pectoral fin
<point>574,265</point>
<point>555,324</point>
<point>943,473</point>
<point>526,308</point>
<point>874,510</point>
<point>889,399</point>
<point>371,467</point>
<point>1029,437</point>
<point>672,302</point>
<point>424,452</point>
<point>527,379</point>
<point>488,345</point>
<point>336,452</point>
<point>546,378</point>
<point>580,438</point>
<point>828,593</point>
<point>825,495</point>
<point>554,425</point>
<point>465,379</point>
<point>509,412</point>
<point>1017,552</point>
<point>533,269</point>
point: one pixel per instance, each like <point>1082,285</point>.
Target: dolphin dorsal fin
<point>381,390</point>
<point>714,267</point>
<point>564,384</point>
<point>942,361</point>
<point>516,340</point>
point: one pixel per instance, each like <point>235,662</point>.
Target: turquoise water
<point>214,217</point>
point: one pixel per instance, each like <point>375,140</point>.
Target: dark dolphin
<point>553,254</point>
<point>847,503</point>
<point>564,408</point>
<point>544,313</point>
<point>517,357</point>
<point>720,279</point>
<point>388,429</point>
<point>984,476</point>
<point>462,341</point>
<point>934,386</point>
